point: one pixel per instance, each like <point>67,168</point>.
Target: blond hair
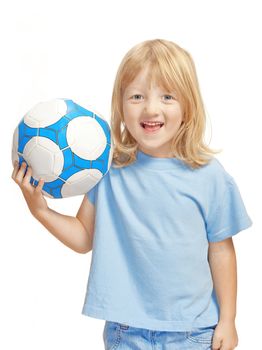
<point>173,68</point>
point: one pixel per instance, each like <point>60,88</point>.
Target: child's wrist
<point>227,319</point>
<point>40,214</point>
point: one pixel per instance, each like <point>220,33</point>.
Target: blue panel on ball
<point>85,112</point>
<point>56,192</point>
<point>105,127</point>
<point>48,133</point>
<point>68,172</point>
<point>74,110</point>
<point>27,130</point>
<point>70,105</point>
<point>82,163</point>
<point>105,156</point>
<point>74,114</point>
<point>61,138</point>
<point>57,132</point>
<point>99,165</point>
<point>25,133</point>
<point>61,123</point>
<point>54,188</point>
<point>68,158</point>
<point>55,183</point>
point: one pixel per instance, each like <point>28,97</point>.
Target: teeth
<point>152,123</point>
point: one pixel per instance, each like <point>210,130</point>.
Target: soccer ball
<point>66,145</point>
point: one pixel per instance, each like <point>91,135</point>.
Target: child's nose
<point>152,107</point>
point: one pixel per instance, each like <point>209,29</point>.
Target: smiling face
<point>144,103</point>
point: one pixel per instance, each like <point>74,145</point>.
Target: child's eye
<point>136,97</point>
<point>169,97</point>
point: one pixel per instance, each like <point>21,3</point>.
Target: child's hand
<point>225,336</point>
<point>33,195</point>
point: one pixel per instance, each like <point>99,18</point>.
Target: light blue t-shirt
<point>153,221</point>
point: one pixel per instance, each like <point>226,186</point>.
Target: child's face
<point>144,103</point>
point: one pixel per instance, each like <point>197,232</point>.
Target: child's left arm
<point>223,265</point>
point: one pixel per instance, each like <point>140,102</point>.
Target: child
<point>160,223</point>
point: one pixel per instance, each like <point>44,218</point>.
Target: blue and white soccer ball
<point>66,145</point>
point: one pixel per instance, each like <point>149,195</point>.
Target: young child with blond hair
<point>160,223</point>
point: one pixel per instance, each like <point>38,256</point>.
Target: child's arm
<point>75,232</point>
<point>222,261</point>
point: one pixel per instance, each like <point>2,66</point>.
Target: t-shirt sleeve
<point>229,216</point>
<point>91,194</point>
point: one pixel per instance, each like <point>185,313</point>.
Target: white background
<point>73,49</point>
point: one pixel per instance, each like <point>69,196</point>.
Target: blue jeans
<point>119,336</point>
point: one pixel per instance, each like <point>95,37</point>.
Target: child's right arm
<point>75,232</point>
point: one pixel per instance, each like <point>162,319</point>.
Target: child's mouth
<point>151,126</point>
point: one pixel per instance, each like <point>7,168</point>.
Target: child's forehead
<point>148,84</point>
<point>146,75</point>
<point>144,86</point>
<point>149,77</point>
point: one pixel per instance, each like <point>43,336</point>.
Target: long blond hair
<point>173,68</point>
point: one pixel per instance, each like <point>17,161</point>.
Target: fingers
<point>16,167</point>
<point>39,186</point>
<point>18,173</point>
<point>22,177</point>
<point>27,176</point>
